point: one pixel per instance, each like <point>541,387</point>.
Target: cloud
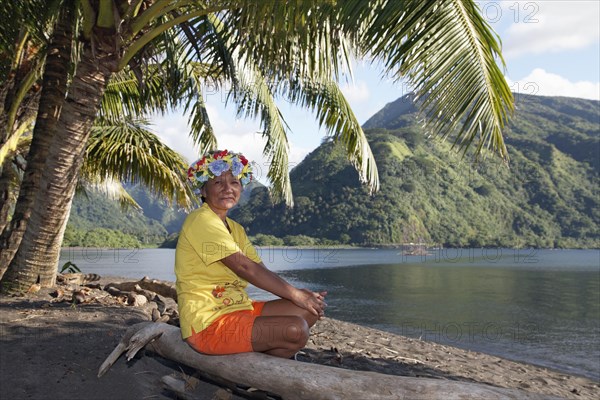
<point>540,82</point>
<point>357,92</point>
<point>549,26</point>
<point>173,131</point>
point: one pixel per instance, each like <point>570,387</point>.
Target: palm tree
<point>53,92</point>
<point>445,49</point>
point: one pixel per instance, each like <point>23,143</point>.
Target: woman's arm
<point>258,275</point>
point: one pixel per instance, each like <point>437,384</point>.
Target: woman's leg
<point>286,307</point>
<point>282,328</point>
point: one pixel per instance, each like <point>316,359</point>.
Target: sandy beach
<point>52,350</point>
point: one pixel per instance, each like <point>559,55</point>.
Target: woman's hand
<point>314,302</point>
<point>261,277</point>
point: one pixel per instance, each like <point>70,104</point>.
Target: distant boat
<point>415,249</point>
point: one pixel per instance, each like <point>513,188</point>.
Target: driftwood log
<point>297,380</point>
<point>145,284</point>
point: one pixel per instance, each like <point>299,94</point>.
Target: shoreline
<point>350,247</point>
<point>466,348</point>
<point>53,350</point>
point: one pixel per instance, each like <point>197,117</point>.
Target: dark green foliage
<point>121,228</point>
<point>99,237</point>
<point>266,240</point>
<point>547,198</point>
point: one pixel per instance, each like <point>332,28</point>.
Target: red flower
<point>220,154</point>
<point>243,160</point>
<point>218,291</point>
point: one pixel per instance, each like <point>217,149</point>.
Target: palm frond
<point>450,55</point>
<point>124,95</point>
<point>125,150</point>
<point>109,188</point>
<point>201,130</point>
<point>334,112</point>
<point>206,45</point>
<point>254,97</point>
<point>16,142</point>
<point>290,39</point>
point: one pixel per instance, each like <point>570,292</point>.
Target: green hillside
<point>546,198</point>
<point>96,221</point>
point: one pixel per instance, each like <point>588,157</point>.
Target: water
<point>536,306</point>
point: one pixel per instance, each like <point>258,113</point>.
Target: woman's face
<point>222,192</point>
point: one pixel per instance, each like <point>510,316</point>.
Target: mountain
<point>545,197</point>
<point>96,221</point>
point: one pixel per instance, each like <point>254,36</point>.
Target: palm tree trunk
<point>58,63</point>
<point>5,88</point>
<point>37,257</point>
<point>7,178</point>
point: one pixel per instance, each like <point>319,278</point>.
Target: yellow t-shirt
<point>206,288</point>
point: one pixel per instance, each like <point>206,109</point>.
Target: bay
<point>530,305</point>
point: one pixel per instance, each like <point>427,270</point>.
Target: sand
<point>53,351</point>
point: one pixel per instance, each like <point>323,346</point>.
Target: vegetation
<point>546,198</point>
<point>100,237</point>
<point>109,222</point>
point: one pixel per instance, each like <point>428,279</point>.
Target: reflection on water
<point>546,317</point>
<point>537,306</point>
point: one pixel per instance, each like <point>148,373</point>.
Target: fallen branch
<point>296,380</point>
<point>163,288</point>
<point>76,278</point>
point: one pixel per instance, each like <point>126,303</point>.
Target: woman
<point>214,262</point>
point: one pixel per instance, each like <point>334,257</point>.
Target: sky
<point>551,48</point>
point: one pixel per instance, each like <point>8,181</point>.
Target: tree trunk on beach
<point>37,258</point>
<point>7,177</point>
<point>54,86</point>
<point>298,380</point>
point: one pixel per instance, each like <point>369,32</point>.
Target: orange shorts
<point>229,334</point>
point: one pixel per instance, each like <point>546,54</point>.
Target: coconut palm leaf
<point>109,188</point>
<point>18,140</point>
<point>124,95</point>
<point>450,55</point>
<point>201,130</point>
<point>301,40</point>
<point>126,151</point>
<point>334,112</point>
<point>255,98</point>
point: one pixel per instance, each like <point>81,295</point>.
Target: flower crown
<point>214,164</point>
